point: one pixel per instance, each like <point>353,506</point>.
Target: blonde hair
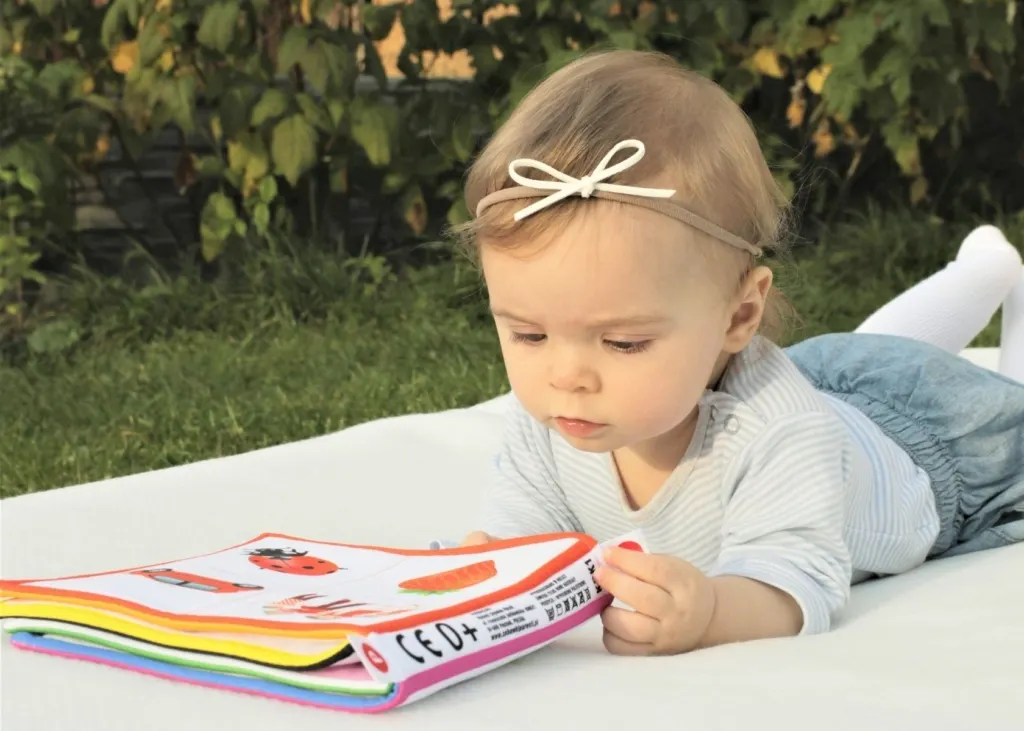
<point>698,142</point>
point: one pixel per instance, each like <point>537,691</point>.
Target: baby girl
<point>621,217</point>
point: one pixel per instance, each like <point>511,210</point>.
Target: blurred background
<point>222,222</point>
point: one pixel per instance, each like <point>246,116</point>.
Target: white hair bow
<point>566,185</point>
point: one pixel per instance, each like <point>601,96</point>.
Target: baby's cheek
<point>662,400</point>
<point>528,386</point>
<point>657,405</point>
<point>521,373</point>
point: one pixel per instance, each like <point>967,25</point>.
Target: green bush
<point>286,120</point>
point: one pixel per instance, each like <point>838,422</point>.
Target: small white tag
<point>632,541</point>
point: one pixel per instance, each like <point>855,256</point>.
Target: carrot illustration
<point>453,580</point>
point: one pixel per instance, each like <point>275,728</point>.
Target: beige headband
<point>590,186</point>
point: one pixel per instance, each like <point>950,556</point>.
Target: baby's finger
<point>618,646</point>
<point>476,538</point>
<point>650,568</point>
<point>628,626</point>
<point>641,596</point>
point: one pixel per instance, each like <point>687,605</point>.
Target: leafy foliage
<point>286,117</point>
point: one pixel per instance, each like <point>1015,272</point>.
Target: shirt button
<point>732,424</point>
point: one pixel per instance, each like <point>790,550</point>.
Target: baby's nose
<point>574,375</point>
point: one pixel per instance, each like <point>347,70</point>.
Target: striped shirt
<point>780,483</point>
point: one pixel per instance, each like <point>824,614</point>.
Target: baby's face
<point>610,331</point>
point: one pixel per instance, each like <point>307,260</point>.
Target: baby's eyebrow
<point>607,322</point>
<point>503,314</point>
<point>629,321</point>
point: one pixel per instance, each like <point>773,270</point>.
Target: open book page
<point>348,701</point>
<point>290,651</point>
<point>282,584</point>
<point>336,678</point>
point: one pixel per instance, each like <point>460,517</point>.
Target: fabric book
<point>333,625</point>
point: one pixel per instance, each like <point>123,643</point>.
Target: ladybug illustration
<point>290,561</point>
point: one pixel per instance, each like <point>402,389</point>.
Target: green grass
<point>185,370</point>
<point>119,406</point>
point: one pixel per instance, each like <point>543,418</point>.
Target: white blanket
<point>939,648</point>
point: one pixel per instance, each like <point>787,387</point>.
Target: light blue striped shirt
<point>780,483</point>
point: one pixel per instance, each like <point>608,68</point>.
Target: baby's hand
<point>476,538</point>
<point>673,600</point>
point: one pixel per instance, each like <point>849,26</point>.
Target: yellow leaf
<point>248,156</point>
<point>16,48</point>
<point>102,146</point>
<point>162,6</point>
<point>238,155</point>
<point>908,156</point>
<point>823,140</point>
<point>416,211</point>
<point>215,128</point>
<point>918,190</point>
<point>766,62</point>
<point>88,85</point>
<point>796,110</point>
<point>249,186</point>
<point>166,61</point>
<point>305,12</point>
<point>816,78</point>
<point>124,57</point>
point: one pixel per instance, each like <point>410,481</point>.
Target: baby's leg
<point>1011,354</point>
<point>949,308</point>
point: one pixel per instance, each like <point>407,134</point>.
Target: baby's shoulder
<point>768,383</point>
<point>527,440</point>
<point>521,432</point>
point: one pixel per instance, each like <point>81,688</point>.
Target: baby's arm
<point>783,547</point>
<point>523,496</point>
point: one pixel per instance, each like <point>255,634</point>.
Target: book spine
<point>438,654</point>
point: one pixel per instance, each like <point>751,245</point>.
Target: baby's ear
<point>747,309</point>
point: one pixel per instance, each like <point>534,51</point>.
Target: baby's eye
<point>528,338</point>
<point>628,346</point>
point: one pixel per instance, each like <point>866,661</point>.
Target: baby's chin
<point>607,440</point>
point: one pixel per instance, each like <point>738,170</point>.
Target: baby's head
<point>612,312</point>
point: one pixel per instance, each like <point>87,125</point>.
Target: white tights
<point>949,308</point>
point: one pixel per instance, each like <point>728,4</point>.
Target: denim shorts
<point>961,423</point>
